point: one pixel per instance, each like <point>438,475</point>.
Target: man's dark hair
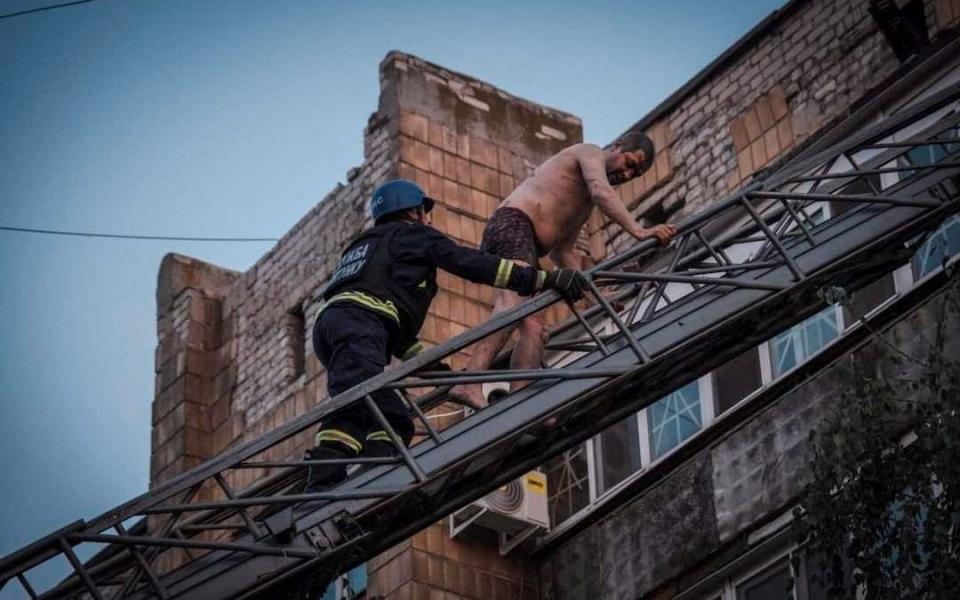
<point>637,140</point>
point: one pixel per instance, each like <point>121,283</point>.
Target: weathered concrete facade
<point>233,356</point>
<point>696,519</point>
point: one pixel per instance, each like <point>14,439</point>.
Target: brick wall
<point>807,66</point>
<point>946,14</point>
<point>468,145</point>
<point>233,357</point>
<point>189,356</point>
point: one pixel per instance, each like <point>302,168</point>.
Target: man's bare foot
<point>468,395</point>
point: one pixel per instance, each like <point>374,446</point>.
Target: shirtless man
<point>544,216</point>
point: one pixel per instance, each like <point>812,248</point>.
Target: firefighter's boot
<point>321,477</point>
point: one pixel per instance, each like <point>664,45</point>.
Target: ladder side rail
<point>450,506</point>
<point>539,458</point>
<point>117,562</point>
<point>216,466</point>
<point>198,475</point>
<point>941,213</point>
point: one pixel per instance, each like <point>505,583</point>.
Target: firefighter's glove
<point>569,282</point>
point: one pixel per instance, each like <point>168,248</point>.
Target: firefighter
<point>376,302</point>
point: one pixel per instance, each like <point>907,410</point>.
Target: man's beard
<point>615,178</point>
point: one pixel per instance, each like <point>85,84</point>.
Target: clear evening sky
<point>220,118</point>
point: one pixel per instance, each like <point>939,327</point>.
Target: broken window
<point>737,379</point>
<point>617,453</point>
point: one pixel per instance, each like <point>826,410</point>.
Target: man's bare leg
<point>486,350</point>
<point>528,353</point>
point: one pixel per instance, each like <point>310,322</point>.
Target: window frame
<point>734,585</point>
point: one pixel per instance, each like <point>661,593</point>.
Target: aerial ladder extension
<point>746,268</point>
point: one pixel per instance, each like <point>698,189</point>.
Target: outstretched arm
<point>593,168</point>
<point>420,243</point>
<point>432,246</point>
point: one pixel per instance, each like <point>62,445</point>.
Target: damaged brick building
<point>691,497</point>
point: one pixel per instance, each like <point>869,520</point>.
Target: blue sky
<point>231,119</point>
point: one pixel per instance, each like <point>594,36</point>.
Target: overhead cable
<point>122,236</point>
<point>43,8</point>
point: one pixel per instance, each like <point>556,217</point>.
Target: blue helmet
<point>397,195</point>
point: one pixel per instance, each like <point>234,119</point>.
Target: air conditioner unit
<point>515,511</point>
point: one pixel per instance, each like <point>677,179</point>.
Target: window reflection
<point>942,243</point>
<point>352,584</point>
<point>567,484</point>
<point>674,418</point>
<point>798,343</point>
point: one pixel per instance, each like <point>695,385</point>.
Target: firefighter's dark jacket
<point>392,270</point>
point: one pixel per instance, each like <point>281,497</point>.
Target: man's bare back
<point>562,192</point>
<point>556,197</point>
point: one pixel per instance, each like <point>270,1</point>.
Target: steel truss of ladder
<point>745,268</point>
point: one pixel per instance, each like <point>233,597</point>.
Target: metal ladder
<point>277,542</point>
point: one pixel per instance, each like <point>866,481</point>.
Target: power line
<point>43,8</point>
<point>121,236</point>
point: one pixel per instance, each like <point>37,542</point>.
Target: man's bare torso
<point>556,198</point>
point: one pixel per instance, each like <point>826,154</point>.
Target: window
<point>945,241</point>
<point>942,243</point>
<point>868,298</point>
<point>905,28</point>
<point>921,155</point>
<point>737,379</point>
<point>868,184</point>
<point>798,343</point>
<point>617,452</point>
<point>352,585</point>
<point>294,343</point>
<point>568,484</point>
<point>674,418</point>
<point>774,583</point>
<point>787,575</point>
